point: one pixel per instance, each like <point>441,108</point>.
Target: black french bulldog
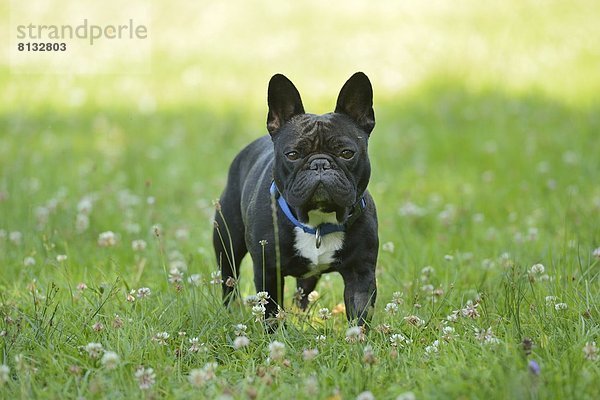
<point>297,200</point>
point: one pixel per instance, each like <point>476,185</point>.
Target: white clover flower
<point>391,308</point>
<point>196,346</point>
<point>20,362</point>
<point>132,227</point>
<point>276,350</point>
<point>117,322</point>
<point>82,223</point>
<point>259,312</point>
<point>262,297</point>
<point>195,279</point>
<point>543,167</point>
<point>320,338</point>
<point>383,328</point>
<point>61,258</point>
<point>143,292</point>
<point>410,209</point>
<point>532,234</point>
<point>397,298</point>
<point>433,348</point>
<point>85,205</point>
<point>215,277</point>
<point>324,314</point>
<point>4,374</point>
<point>427,288</point>
<point>366,395</point>
<point>414,320</point>
<point>175,275</point>
<point>107,239</point>
<point>240,329</point>
<point>161,338</point>
<point>110,360</point>
<point>309,354</point>
<point>139,245</point>
<point>156,230</point>
<point>406,396</point>
<point>590,351</point>
<point>570,157</point>
<point>178,264</point>
<point>536,269</point>
<point>399,340</point>
<point>281,314</point>
<point>94,350</point>
<point>388,247</point>
<point>354,334</point>
<point>28,261</point>
<point>241,341</point>
<point>197,378</point>
<point>470,310</point>
<point>313,296</point>
<point>311,385</point>
<point>15,237</point>
<point>545,277</point>
<point>486,336</point>
<point>130,296</point>
<point>145,377</point>
<point>369,355</point>
<point>448,333</point>
<point>182,234</point>
<point>210,370</point>
<point>251,300</point>
<point>560,306</point>
<point>427,270</point>
<point>596,252</point>
<point>551,300</point>
<point>478,218</point>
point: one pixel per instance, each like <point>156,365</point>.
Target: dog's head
<point>321,161</point>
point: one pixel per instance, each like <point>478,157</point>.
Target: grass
<point>485,163</point>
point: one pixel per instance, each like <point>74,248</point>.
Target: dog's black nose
<point>320,164</point>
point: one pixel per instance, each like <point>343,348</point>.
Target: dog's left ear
<point>356,101</point>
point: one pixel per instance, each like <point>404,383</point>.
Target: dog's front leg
<point>360,291</point>
<point>268,281</point>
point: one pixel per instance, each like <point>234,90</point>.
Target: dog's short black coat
<point>319,164</point>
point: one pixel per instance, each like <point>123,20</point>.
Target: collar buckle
<point>318,237</point>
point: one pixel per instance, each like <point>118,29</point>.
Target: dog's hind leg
<point>230,247</point>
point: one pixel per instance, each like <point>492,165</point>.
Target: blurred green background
<point>485,155</point>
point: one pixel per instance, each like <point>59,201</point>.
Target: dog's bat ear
<point>284,102</point>
<point>356,101</point>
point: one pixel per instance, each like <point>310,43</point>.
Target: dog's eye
<point>292,155</point>
<point>347,154</point>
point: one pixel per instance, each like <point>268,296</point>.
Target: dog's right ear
<point>284,102</point>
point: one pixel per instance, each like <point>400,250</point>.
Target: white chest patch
<point>306,243</point>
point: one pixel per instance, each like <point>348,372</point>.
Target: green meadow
<point>485,170</point>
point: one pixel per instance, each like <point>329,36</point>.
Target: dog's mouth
<point>322,200</point>
<point>321,196</point>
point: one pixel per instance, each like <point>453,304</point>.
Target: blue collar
<point>323,229</point>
